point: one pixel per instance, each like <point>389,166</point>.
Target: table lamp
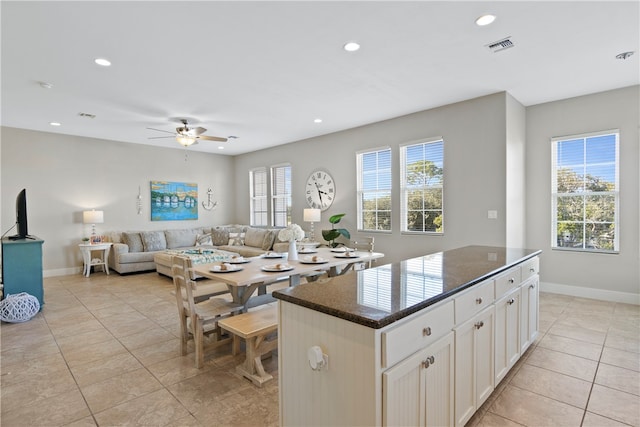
<point>312,215</point>
<point>93,217</point>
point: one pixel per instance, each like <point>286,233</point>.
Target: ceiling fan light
<point>185,140</point>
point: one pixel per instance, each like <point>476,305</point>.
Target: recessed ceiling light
<point>54,123</point>
<point>351,47</point>
<point>485,20</point>
<point>317,121</point>
<point>46,85</point>
<point>103,62</point>
<point>221,148</point>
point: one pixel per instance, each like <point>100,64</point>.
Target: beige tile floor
<point>105,351</point>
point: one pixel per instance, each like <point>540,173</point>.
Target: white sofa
<point>135,251</point>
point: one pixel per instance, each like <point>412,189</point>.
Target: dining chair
<point>363,244</point>
<point>198,319</point>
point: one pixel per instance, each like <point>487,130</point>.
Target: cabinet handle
<point>532,270</point>
<point>511,301</point>
<point>428,362</point>
<point>531,286</point>
<point>479,300</point>
<point>512,280</point>
<point>426,331</point>
<point>479,324</point>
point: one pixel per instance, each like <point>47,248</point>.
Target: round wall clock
<point>320,190</point>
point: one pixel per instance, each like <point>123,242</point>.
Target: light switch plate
<point>492,214</point>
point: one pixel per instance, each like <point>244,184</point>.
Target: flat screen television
<point>21,216</point>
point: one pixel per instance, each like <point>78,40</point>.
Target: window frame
<point>404,188</point>
<point>555,195</point>
<point>253,198</point>
<point>360,192</point>
<point>286,196</point>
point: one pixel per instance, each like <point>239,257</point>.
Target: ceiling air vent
<point>502,44</point>
<point>90,116</point>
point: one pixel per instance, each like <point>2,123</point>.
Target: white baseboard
<point>601,294</point>
<point>61,272</point>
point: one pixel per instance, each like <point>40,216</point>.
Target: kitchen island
<point>420,342</point>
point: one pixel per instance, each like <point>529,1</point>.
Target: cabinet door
<point>403,392</point>
<point>529,313</point>
<point>439,382</point>
<point>474,360</point>
<point>419,390</point>
<point>507,333</point>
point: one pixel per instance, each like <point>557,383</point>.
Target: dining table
<point>244,275</point>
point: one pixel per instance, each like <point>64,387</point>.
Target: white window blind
<point>421,186</point>
<point>258,195</point>
<point>281,195</point>
<point>585,192</point>
<point>374,190</point>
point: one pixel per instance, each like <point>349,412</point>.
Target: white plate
<point>237,261</point>
<point>216,269</point>
<point>323,261</point>
<point>351,255</point>
<point>272,255</point>
<point>340,249</point>
<point>307,251</point>
<point>274,269</point>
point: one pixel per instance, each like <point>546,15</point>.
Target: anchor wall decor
<point>210,204</point>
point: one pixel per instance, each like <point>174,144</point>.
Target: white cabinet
<point>419,390</point>
<point>507,333</point>
<point>474,364</point>
<point>529,314</point>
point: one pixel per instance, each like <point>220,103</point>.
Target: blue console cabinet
<point>22,267</point>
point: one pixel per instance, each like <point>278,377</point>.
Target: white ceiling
<point>263,71</point>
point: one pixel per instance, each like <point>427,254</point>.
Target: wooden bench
<point>254,327</point>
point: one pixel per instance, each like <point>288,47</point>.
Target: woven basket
<point>18,307</point>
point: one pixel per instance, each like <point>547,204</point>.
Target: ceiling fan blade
<point>161,130</point>
<point>212,138</point>
<point>161,137</point>
<point>199,130</point>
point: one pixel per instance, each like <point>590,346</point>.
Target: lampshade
<point>185,140</point>
<point>311,215</point>
<point>93,217</point>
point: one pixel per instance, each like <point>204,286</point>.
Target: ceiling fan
<point>187,136</point>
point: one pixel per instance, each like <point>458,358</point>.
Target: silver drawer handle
<point>479,324</point>
<point>426,331</point>
<point>511,301</point>
<point>532,270</point>
<point>512,280</point>
<point>479,300</point>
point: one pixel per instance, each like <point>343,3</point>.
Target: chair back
<point>181,271</point>
<point>364,244</point>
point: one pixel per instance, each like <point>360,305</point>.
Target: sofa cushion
<point>269,238</point>
<point>219,236</point>
<point>153,241</point>
<point>236,239</point>
<point>134,241</point>
<point>254,237</point>
<point>180,238</point>
<point>203,239</point>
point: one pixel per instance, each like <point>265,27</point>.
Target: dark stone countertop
<point>382,295</point>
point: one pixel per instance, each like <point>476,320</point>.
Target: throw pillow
<point>134,242</point>
<point>269,238</point>
<point>153,241</point>
<point>254,237</point>
<point>181,238</point>
<point>219,236</point>
<point>203,239</point>
<point>236,239</point>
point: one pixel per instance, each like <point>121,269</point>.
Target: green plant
<point>331,235</point>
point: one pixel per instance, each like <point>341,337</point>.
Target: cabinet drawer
<point>477,298</point>
<point>530,268</point>
<point>412,335</point>
<point>507,281</point>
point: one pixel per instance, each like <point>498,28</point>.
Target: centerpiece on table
<point>291,234</point>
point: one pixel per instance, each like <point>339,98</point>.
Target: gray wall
<point>65,175</point>
<point>474,135</point>
<point>616,109</point>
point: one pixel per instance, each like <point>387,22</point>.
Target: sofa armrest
<point>117,249</point>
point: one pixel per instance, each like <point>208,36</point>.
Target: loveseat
<point>137,251</point>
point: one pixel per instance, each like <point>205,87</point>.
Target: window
<point>421,186</point>
<point>374,190</point>
<point>281,195</point>
<point>585,194</point>
<point>258,191</point>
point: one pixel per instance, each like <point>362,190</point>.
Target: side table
<point>87,249</point>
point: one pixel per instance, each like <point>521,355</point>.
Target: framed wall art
<point>174,201</point>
